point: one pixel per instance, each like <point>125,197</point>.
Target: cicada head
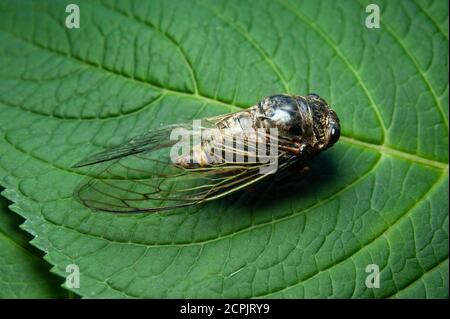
<point>325,122</point>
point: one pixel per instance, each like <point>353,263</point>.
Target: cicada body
<point>186,164</point>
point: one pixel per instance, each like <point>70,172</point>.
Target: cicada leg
<point>296,148</point>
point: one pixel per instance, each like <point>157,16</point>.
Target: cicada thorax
<point>293,118</point>
<point>289,114</point>
<point>303,122</point>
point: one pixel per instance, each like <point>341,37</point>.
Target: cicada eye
<point>314,95</point>
<point>335,133</point>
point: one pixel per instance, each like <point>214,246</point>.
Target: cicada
<point>186,164</point>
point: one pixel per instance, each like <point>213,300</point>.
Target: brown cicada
<point>186,164</point>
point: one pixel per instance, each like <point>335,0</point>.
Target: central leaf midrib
<point>397,153</point>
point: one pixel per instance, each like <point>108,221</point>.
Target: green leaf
<point>380,196</point>
<point>23,273</point>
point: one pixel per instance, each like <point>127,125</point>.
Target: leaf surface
<point>23,272</point>
<point>380,196</point>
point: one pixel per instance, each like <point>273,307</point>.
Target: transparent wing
<point>151,141</point>
<point>141,176</point>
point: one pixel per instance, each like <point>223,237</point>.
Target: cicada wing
<point>131,184</point>
<point>145,183</point>
<point>141,175</point>
<point>150,141</point>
